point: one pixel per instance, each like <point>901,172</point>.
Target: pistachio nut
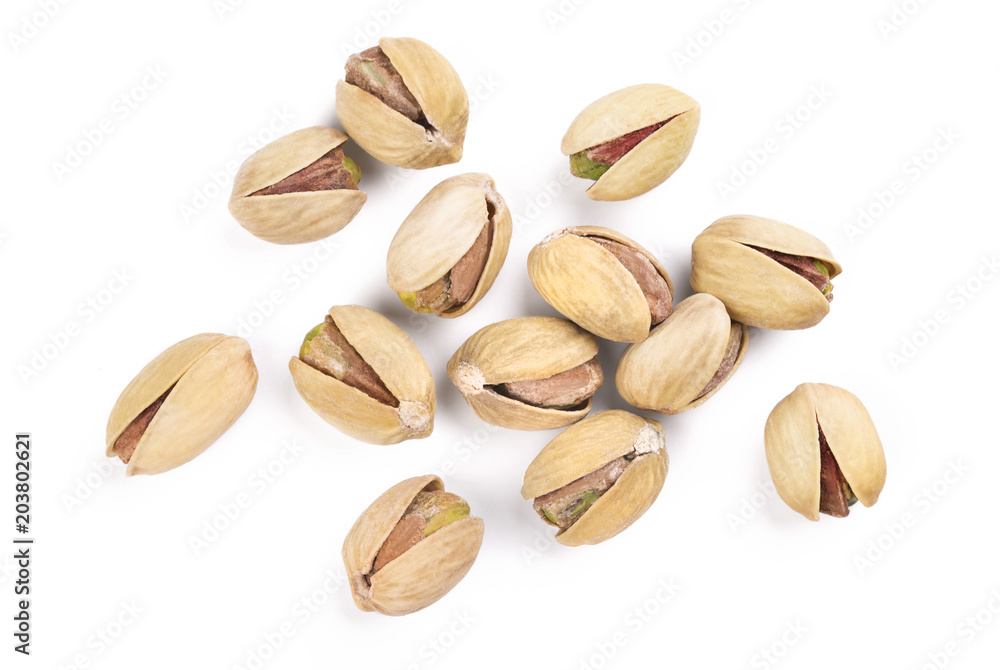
<point>299,188</point>
<point>632,140</point>
<point>597,477</point>
<point>362,374</point>
<point>410,547</point>
<point>404,104</point>
<point>768,274</point>
<point>685,360</point>
<point>603,281</point>
<point>532,373</point>
<point>181,402</point>
<point>451,247</point>
<point>823,451</point>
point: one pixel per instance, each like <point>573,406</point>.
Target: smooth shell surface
<point>524,349</point>
<point>666,372</point>
<point>391,137</point>
<point>589,445</point>
<point>654,159</point>
<point>292,218</point>
<point>756,289</point>
<point>422,574</point>
<point>213,378</point>
<point>395,358</point>
<point>587,284</point>
<point>791,439</point>
<point>441,229</point>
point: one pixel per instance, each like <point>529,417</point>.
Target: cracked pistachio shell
<point>588,446</point>
<point>423,573</point>
<point>292,218</point>
<point>587,284</point>
<point>213,378</point>
<point>791,441</point>
<point>666,372</point>
<point>391,137</point>
<point>524,349</point>
<point>756,289</point>
<point>397,361</point>
<point>441,229</point>
<point>655,158</point>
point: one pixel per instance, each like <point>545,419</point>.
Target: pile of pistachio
<point>403,103</point>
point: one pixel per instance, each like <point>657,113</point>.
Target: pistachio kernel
<point>811,269</point>
<point>429,512</point>
<point>564,390</point>
<point>592,163</point>
<point>331,171</point>
<point>373,72</point>
<point>326,349</point>
<point>564,506</point>
<point>835,494</point>
<point>129,439</point>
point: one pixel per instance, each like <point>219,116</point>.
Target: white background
<point>108,263</point>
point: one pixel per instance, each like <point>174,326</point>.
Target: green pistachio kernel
<point>583,167</point>
<point>410,300</point>
<point>353,168</point>
<point>307,343</point>
<point>587,498</point>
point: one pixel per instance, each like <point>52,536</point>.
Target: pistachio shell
<point>586,447</point>
<point>213,379</point>
<point>524,349</point>
<point>667,372</point>
<point>422,574</point>
<point>441,229</point>
<point>654,159</point>
<point>399,364</point>
<point>791,440</point>
<point>292,218</point>
<point>391,137</point>
<point>756,289</point>
<point>587,284</point>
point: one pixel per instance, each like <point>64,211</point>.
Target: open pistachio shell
<point>423,573</point>
<point>517,350</point>
<point>756,289</point>
<point>589,285</point>
<point>656,157</point>
<point>397,361</point>
<point>586,447</point>
<point>292,218</point>
<point>669,371</point>
<point>391,137</point>
<point>211,380</point>
<point>792,444</point>
<point>440,231</point>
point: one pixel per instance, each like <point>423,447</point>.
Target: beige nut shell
<point>391,137</point>
<point>524,349</point>
<point>422,574</point>
<point>791,441</point>
<point>654,159</point>
<point>588,446</point>
<point>757,290</point>
<point>440,231</point>
<point>213,378</point>
<point>666,372</point>
<point>587,284</point>
<point>397,361</point>
<point>292,218</point>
